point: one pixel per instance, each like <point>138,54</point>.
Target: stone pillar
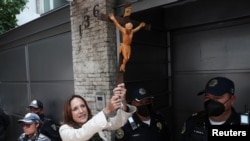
<point>94,50</point>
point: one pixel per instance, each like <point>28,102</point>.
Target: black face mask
<point>214,108</point>
<point>144,110</point>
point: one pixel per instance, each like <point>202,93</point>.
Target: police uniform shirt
<point>50,128</point>
<point>4,122</point>
<point>195,127</point>
<point>156,131</point>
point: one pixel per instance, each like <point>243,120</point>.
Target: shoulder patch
<point>53,126</point>
<point>119,133</point>
<point>159,125</point>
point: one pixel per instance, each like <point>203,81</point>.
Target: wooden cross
<point>122,21</point>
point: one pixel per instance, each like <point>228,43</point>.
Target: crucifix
<point>127,32</point>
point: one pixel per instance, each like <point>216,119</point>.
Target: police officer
<point>144,125</point>
<point>4,123</point>
<point>31,124</point>
<point>219,97</point>
<point>49,127</point>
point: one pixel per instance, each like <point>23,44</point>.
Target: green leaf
<point>8,11</point>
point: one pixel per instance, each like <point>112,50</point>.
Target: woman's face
<point>79,110</point>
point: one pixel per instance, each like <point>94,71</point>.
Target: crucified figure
<point>127,34</point>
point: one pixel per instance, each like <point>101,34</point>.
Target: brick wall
<point>94,49</point>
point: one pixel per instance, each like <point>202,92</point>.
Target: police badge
<point>53,126</point>
<point>159,125</point>
<point>119,133</point>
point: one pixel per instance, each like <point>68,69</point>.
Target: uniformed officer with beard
<point>219,97</point>
<point>145,124</point>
